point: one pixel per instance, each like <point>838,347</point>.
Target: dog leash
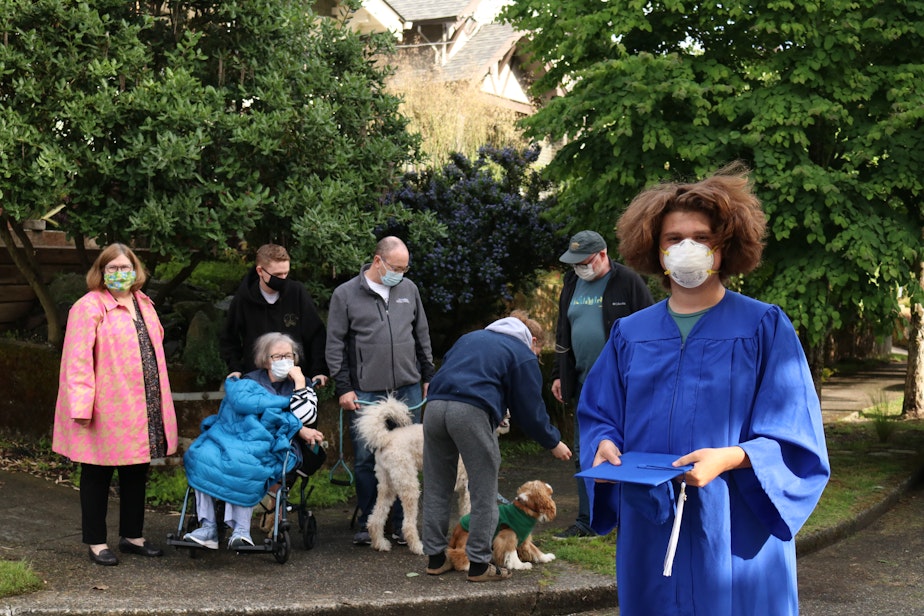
<point>340,462</point>
<point>371,402</point>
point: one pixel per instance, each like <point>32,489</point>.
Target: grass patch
<point>511,449</point>
<point>594,553</point>
<point>863,467</point>
<point>322,492</point>
<point>883,415</point>
<point>167,486</point>
<point>17,578</point>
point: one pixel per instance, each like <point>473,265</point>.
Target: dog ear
<point>543,503</point>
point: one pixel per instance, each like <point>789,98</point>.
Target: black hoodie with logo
<point>250,316</point>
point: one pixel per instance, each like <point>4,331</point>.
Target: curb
<point>829,536</point>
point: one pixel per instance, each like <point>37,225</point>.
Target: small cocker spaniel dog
<point>513,544</point>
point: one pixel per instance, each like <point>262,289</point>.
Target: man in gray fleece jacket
<point>378,342</point>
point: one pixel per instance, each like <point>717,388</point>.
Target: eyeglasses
<point>282,356</point>
<point>111,269</point>
<point>590,259</point>
<point>397,270</point>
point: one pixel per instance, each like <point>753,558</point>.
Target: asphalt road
<point>876,572</point>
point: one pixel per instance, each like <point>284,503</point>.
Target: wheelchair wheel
<point>282,547</point>
<point>308,524</point>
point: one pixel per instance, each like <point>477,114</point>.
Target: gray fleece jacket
<point>374,346</point>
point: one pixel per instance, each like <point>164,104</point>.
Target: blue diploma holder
<point>650,469</point>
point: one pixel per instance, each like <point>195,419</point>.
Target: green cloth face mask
<point>119,281</point>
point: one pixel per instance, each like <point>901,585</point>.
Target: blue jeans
<point>583,517</point>
<point>364,458</point>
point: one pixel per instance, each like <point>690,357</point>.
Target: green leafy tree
<point>54,56</point>
<point>310,131</point>
<point>185,127</point>
<point>823,100</point>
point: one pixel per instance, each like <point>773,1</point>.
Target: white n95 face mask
<point>689,263</point>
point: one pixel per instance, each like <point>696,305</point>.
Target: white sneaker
<point>206,535</point>
<point>239,538</point>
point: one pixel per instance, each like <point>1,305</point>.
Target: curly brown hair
<point>726,198</point>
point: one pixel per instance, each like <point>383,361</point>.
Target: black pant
<point>94,500</point>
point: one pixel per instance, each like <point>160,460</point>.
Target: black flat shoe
<point>106,558</point>
<point>126,546</point>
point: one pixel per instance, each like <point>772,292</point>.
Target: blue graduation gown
<point>740,378</point>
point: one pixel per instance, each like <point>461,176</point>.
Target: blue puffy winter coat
<point>241,450</point>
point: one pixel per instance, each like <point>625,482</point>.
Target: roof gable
<point>488,46</point>
<point>428,10</point>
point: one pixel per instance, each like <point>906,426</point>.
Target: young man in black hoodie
<point>267,301</point>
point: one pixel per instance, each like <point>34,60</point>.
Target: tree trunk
<point>815,355</point>
<point>171,285</point>
<point>913,406</point>
<point>24,258</point>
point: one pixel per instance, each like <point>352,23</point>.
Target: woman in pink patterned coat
<point>114,410</point>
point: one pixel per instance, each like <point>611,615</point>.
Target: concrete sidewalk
<point>40,522</point>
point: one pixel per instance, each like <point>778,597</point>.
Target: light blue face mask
<point>390,278</point>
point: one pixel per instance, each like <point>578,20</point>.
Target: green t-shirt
<point>686,321</point>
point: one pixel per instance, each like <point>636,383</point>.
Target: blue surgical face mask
<point>390,278</point>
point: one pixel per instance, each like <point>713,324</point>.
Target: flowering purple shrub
<point>497,235</point>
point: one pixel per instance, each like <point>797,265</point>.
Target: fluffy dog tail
<point>374,423</point>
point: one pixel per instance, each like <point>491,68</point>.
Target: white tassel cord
<point>675,531</point>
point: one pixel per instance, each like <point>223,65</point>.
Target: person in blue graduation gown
<point>721,381</point>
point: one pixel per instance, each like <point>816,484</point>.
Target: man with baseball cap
<point>596,292</point>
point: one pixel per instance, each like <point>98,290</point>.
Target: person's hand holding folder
<point>698,467</point>
<point>637,467</point>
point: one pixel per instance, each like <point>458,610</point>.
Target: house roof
<point>426,10</point>
<point>474,59</point>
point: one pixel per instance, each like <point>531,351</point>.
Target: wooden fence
<point>54,253</point>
